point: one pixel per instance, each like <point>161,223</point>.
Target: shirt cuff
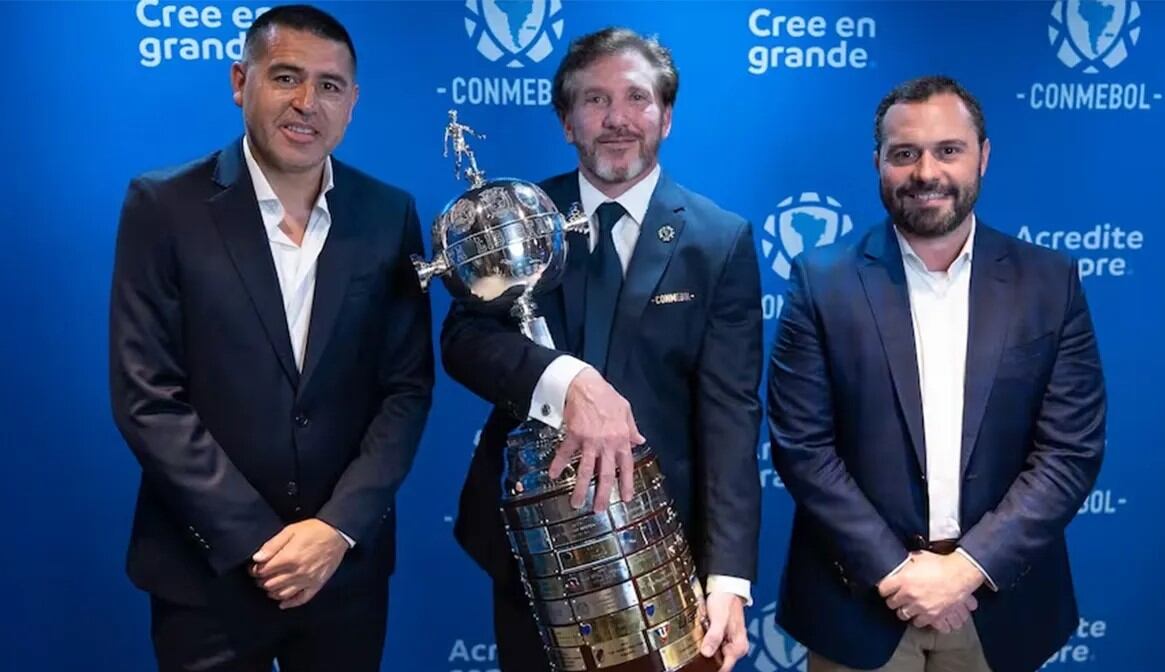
<point>990,582</point>
<point>350,540</point>
<point>549,399</point>
<point>718,583</point>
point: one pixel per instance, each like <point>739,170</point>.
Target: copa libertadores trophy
<point>610,591</point>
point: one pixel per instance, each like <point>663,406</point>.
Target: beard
<point>922,221</point>
<point>607,170</point>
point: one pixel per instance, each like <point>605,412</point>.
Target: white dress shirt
<point>549,398</point>
<point>294,264</point>
<point>940,311</point>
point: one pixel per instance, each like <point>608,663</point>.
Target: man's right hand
<point>600,428</point>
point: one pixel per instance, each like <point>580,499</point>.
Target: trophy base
<point>655,663</point>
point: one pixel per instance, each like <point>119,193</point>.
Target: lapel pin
<point>666,233</point>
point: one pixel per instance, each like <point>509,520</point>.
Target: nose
<point>305,97</point>
<point>926,169</point>
<point>616,116</point>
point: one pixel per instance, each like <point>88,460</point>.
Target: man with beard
<point>937,413</point>
<point>658,328</point>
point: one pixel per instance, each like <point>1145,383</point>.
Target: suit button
<point>919,542</point>
<point>545,410</point>
<point>301,420</point>
<point>292,488</point>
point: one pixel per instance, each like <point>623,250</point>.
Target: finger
<point>586,470</point>
<point>729,658</point>
<point>283,563</point>
<point>278,582</point>
<point>284,593</point>
<point>606,479</point>
<point>626,464</point>
<point>298,600</point>
<point>971,603</point>
<point>735,645</point>
<point>273,546</point>
<point>923,620</point>
<point>637,439</point>
<point>899,599</point>
<point>959,615</point>
<point>939,624</point>
<point>563,455</point>
<point>713,637</point>
<point>890,585</point>
<point>902,614</point>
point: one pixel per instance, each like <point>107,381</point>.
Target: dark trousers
<point>519,645</point>
<point>345,636</point>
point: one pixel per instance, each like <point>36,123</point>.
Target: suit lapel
<point>650,259</point>
<point>992,288</point>
<point>333,269</point>
<point>235,212</point>
<point>884,280</point>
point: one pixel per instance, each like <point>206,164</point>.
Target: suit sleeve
<point>1064,461</point>
<point>366,490</point>
<point>151,407</point>
<point>728,414</point>
<point>801,428</point>
<point>483,349</point>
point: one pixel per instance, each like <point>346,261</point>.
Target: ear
<point>984,155</point>
<point>665,122</point>
<point>567,128</point>
<point>355,98</point>
<point>238,80</point>
<point>875,156</point>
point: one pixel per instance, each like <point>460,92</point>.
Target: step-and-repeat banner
<point>774,121</point>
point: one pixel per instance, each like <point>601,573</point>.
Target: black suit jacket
<point>234,442</point>
<point>689,369</point>
<point>845,412</point>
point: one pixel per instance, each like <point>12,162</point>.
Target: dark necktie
<point>604,280</point>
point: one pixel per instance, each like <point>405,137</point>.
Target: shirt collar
<point>964,256</point>
<point>268,201</point>
<point>635,200</point>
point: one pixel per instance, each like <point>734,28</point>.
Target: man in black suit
<point>271,369</point>
<point>658,328</point>
<point>937,410</point>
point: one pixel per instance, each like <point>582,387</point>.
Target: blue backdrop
<point>774,118</point>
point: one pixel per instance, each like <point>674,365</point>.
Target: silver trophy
<point>609,591</point>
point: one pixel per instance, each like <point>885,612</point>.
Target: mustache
<point>933,187</point>
<point>619,135</point>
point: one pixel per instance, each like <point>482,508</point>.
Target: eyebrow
<point>289,67</point>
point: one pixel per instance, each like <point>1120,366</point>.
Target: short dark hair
<point>296,17</point>
<point>585,50</point>
<point>920,90</point>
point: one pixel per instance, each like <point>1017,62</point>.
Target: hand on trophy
<point>600,429</point>
<point>726,631</point>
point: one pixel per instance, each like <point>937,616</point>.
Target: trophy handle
<point>427,269</point>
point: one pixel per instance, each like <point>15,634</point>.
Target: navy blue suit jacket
<point>845,416</point>
<point>234,442</point>
<point>690,370</point>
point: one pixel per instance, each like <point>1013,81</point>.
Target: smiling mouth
<point>301,132</point>
<point>928,196</point>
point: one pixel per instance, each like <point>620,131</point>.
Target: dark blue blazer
<point>690,370</point>
<point>845,416</point>
<point>234,442</point>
